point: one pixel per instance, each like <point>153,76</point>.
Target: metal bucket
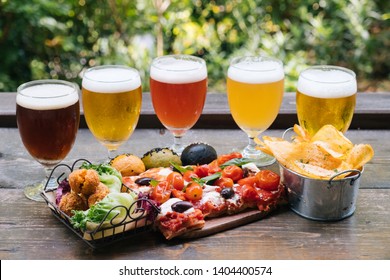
<point>322,200</point>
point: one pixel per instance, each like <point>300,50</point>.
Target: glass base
<point>33,192</point>
<point>261,159</point>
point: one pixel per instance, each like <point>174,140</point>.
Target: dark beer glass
<point>48,115</point>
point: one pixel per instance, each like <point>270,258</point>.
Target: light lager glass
<point>112,98</point>
<point>255,87</point>
<point>326,95</point>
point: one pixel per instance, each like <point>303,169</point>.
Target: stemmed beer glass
<point>112,97</point>
<point>48,115</point>
<point>326,94</point>
<point>178,87</point>
<point>255,87</point>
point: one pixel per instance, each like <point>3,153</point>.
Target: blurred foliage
<point>59,39</point>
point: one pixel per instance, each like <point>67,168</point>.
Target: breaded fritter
<point>84,181</point>
<point>72,201</point>
<point>101,191</point>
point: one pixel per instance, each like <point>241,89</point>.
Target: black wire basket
<point>140,215</point>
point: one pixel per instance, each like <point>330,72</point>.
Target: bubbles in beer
<point>323,82</point>
<point>256,71</point>
<point>47,96</point>
<point>111,79</point>
<point>185,70</point>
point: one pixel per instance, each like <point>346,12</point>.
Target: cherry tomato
<point>267,180</point>
<point>224,182</point>
<point>248,193</point>
<point>175,179</point>
<point>193,191</point>
<point>189,174</point>
<point>201,170</point>
<point>251,180</point>
<point>233,172</point>
<point>161,192</point>
<point>214,167</point>
<point>224,158</point>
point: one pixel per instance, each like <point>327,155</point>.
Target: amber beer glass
<point>326,95</point>
<point>178,87</point>
<point>112,97</point>
<point>255,87</point>
<point>48,115</point>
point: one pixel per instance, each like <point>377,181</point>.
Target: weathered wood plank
<point>29,231</point>
<point>372,112</point>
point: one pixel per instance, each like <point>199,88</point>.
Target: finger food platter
<point>212,198</point>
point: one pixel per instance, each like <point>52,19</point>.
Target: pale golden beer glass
<point>326,95</point>
<point>255,87</point>
<point>112,98</point>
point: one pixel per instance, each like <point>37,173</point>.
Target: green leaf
<point>207,179</point>
<point>237,161</point>
<point>180,169</point>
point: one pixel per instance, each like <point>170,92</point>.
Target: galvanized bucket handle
<point>287,131</point>
<point>346,171</point>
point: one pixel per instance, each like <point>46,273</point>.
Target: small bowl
<point>322,200</point>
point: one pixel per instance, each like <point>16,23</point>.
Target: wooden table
<point>29,231</point>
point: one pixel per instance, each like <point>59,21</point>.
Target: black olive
<point>181,206</point>
<point>143,181</point>
<point>227,193</point>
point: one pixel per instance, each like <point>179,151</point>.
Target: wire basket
<point>140,215</point>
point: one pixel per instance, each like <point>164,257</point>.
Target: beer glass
<point>326,95</point>
<point>112,98</point>
<point>48,115</point>
<point>255,87</point>
<point>178,87</point>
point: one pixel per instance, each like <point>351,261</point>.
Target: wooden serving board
<point>219,224</point>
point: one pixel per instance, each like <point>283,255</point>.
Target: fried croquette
<point>101,191</point>
<point>84,181</point>
<point>72,201</point>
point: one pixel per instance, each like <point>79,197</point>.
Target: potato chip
<point>322,156</point>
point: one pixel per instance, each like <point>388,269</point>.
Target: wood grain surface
<point>28,230</point>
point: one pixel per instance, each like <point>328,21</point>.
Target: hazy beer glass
<point>48,115</point>
<point>326,95</point>
<point>112,98</point>
<point>255,87</point>
<point>178,87</point>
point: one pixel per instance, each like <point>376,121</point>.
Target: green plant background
<point>60,39</point>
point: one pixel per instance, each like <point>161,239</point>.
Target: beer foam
<point>327,83</point>
<point>111,79</point>
<point>47,96</point>
<point>177,71</point>
<point>256,72</point>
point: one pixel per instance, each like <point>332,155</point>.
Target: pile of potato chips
<point>320,156</point>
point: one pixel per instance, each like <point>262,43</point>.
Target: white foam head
<point>256,70</point>
<point>111,79</point>
<point>178,69</point>
<point>47,94</point>
<point>327,82</point>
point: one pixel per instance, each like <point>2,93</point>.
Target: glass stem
<point>177,146</point>
<point>50,180</point>
<point>252,145</point>
<point>110,154</point>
